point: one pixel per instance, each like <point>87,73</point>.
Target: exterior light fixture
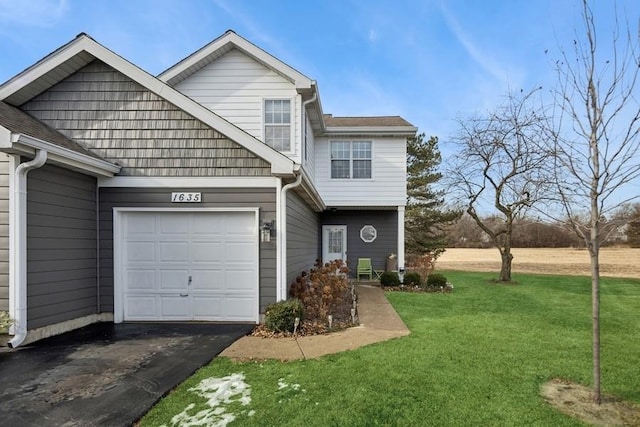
<point>267,231</point>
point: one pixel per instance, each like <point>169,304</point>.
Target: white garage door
<point>189,265</point>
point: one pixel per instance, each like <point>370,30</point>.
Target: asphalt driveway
<point>104,374</point>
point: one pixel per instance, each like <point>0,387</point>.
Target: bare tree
<point>500,168</point>
<point>596,142</point>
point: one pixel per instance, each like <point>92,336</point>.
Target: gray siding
<point>4,232</point>
<point>302,237</point>
<point>264,199</point>
<point>121,121</point>
<point>386,224</point>
<point>61,246</point>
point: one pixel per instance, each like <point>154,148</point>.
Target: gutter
<point>20,246</point>
<point>281,289</point>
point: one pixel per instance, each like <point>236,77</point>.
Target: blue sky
<point>430,61</point>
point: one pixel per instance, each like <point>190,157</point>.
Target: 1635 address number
<point>186,197</point>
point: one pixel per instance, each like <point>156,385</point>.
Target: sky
<point>430,61</point>
<point>433,62</point>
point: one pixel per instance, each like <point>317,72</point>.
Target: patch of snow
<point>282,384</point>
<point>219,392</point>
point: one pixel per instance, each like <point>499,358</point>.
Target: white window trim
<point>350,141</point>
<point>292,122</point>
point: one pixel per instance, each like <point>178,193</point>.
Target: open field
<point>614,262</point>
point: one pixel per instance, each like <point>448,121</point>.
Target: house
<point>198,194</point>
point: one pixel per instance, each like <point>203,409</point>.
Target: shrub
<point>436,280</point>
<point>389,278</point>
<point>5,321</point>
<point>420,263</point>
<point>412,279</point>
<point>280,317</point>
<point>324,290</point>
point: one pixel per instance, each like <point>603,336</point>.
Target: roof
<point>369,121</point>
<point>19,122</point>
<point>368,125</point>
<point>83,49</point>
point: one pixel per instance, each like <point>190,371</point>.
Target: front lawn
<point>477,356</point>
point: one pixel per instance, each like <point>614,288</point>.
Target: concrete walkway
<point>378,322</point>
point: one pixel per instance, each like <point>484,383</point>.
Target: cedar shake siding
<point>262,198</point>
<point>4,232</point>
<point>386,242</point>
<point>61,246</point>
<point>302,237</point>
<point>124,123</point>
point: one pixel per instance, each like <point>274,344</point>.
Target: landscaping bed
<point>323,300</point>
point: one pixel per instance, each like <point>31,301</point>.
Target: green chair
<point>364,268</point>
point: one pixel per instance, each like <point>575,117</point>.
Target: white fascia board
<point>311,190</point>
<point>230,38</point>
<point>280,164</point>
<point>39,69</point>
<point>371,130</point>
<point>188,182</point>
<point>27,145</point>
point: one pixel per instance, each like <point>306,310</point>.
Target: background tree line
<point>624,229</point>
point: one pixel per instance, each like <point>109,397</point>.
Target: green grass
<point>477,356</point>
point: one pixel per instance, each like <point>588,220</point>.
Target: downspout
<point>20,246</point>
<point>98,296</point>
<point>303,156</point>
<point>281,291</point>
<point>281,288</point>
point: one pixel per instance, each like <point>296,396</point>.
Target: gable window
<point>350,159</point>
<point>277,124</point>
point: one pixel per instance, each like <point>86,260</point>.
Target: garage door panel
<point>238,308</point>
<point>141,251</point>
<point>213,225</point>
<point>177,280</point>
<point>208,307</point>
<point>140,307</point>
<point>208,252</point>
<point>174,223</point>
<point>218,250</point>
<point>239,280</point>
<point>174,307</point>
<point>142,279</point>
<point>237,225</point>
<point>210,279</point>
<point>174,251</point>
<point>140,223</point>
<point>239,251</point>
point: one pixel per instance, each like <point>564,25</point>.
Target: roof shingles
<point>377,121</point>
<point>17,121</point>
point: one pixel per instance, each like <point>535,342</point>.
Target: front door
<point>334,242</point>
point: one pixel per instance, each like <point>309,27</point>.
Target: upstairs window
<point>351,159</point>
<point>277,124</point>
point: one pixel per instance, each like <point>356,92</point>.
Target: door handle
<point>184,295</point>
<point>190,280</point>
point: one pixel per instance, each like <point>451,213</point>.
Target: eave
<point>402,131</point>
<point>25,145</point>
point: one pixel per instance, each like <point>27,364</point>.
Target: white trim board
<point>188,182</point>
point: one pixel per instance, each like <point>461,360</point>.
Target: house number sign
<point>186,197</point>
